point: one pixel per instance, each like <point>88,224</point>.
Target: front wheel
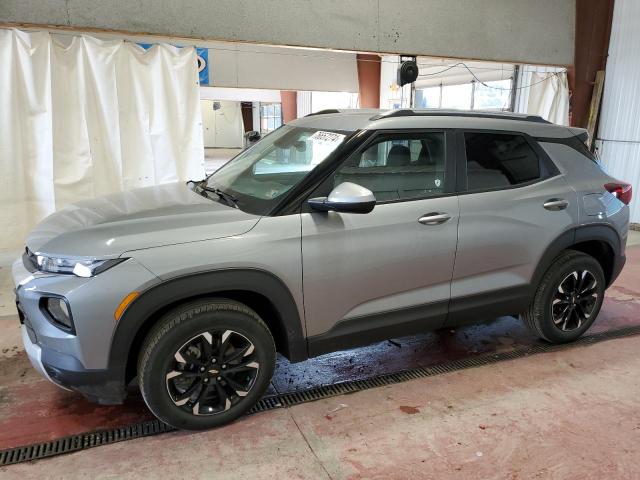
<point>568,298</point>
<point>206,363</point>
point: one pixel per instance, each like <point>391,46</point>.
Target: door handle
<point>555,204</point>
<point>434,218</point>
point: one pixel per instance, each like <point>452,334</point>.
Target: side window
<point>398,167</point>
<point>499,160</point>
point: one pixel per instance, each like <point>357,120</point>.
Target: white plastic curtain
<point>545,93</point>
<point>88,118</point>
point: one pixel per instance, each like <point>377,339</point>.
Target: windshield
<point>259,177</point>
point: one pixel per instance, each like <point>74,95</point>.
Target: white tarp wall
<point>88,118</point>
<point>618,138</point>
<point>543,91</point>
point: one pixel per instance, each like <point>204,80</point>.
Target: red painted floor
<point>33,410</point>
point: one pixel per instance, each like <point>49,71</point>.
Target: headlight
<point>80,268</point>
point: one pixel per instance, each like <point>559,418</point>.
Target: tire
<point>182,367</point>
<point>556,314</point>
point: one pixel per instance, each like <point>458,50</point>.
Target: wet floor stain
<point>409,410</point>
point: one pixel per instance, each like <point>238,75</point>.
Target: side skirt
<point>489,305</point>
<point>360,331</point>
<point>365,330</point>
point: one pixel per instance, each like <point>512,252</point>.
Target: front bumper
<point>78,361</point>
<point>65,371</point>
<point>34,352</point>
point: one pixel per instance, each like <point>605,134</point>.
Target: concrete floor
<point>574,414</point>
<point>214,158</point>
<point>568,414</point>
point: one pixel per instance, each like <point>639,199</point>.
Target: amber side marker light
<point>126,301</point>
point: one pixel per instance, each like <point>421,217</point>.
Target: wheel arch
<point>600,241</point>
<point>259,290</point>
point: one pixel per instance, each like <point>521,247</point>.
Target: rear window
<point>496,160</point>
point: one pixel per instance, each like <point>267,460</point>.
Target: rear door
<point>513,204</point>
<point>386,273</point>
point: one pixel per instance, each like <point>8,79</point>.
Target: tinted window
<point>499,160</point>
<point>398,167</point>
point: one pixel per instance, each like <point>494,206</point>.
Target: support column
<point>247,115</point>
<point>593,29</point>
<point>289,101</point>
<point>369,80</point>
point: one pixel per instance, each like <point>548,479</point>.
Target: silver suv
<point>337,230</point>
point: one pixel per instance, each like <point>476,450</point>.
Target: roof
<point>375,119</point>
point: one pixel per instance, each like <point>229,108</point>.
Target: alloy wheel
<point>212,372</point>
<point>575,300</point>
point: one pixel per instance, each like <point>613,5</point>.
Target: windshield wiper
<point>227,197</point>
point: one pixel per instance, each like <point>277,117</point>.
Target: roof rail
<point>407,112</point>
<point>324,112</point>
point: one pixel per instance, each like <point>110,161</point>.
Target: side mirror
<point>346,197</point>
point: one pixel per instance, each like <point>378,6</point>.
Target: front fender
<point>151,303</point>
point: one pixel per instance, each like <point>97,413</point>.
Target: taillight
<point>621,190</point>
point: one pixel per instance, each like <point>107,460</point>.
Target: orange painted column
<point>369,80</point>
<point>289,101</point>
<point>593,29</point>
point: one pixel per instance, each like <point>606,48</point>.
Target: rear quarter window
<point>496,160</point>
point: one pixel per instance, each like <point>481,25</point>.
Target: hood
<point>106,227</point>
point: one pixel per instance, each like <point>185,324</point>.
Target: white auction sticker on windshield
<point>327,138</point>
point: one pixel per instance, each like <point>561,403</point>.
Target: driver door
<point>368,277</point>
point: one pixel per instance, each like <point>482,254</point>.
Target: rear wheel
<point>568,298</point>
<point>205,364</point>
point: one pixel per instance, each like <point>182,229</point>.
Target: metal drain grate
<point>81,442</point>
<point>153,427</point>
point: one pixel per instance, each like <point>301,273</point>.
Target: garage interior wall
<point>243,98</point>
<point>618,138</point>
<point>261,66</point>
<point>522,31</point>
<point>222,125</point>
<point>89,117</point>
<point>478,85</point>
